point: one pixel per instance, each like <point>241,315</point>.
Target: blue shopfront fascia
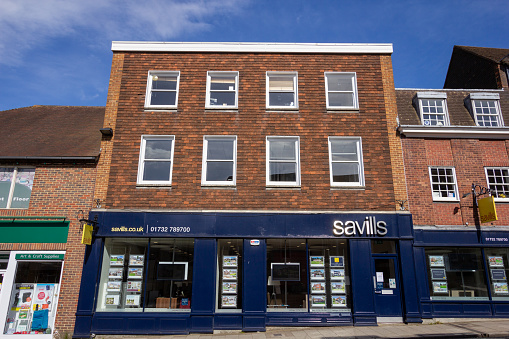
<point>457,238</point>
<point>206,228</point>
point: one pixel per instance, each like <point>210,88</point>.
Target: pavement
<point>437,328</point>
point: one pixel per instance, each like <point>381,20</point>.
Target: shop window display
<point>140,275</point>
<point>34,298</point>
<point>498,266</point>
<point>456,273</point>
<point>229,281</point>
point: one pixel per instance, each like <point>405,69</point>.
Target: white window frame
<point>141,163</point>
<point>210,75</point>
<point>359,161</point>
<point>13,185</point>
<point>476,98</point>
<point>295,183</point>
<point>295,90</point>
<point>455,183</point>
<point>505,182</point>
<point>148,94</point>
<point>437,96</point>
<point>354,91</point>
<point>205,160</point>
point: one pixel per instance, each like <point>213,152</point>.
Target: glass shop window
<point>456,273</point>
<point>33,305</point>
<point>498,266</point>
<point>287,288</point>
<point>329,282</point>
<point>229,282</point>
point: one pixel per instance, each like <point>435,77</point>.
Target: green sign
<point>40,256</point>
<point>36,231</point>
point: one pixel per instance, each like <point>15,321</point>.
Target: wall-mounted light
<point>107,132</point>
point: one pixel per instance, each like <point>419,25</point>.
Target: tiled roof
<point>459,113</point>
<point>493,54</point>
<point>51,131</point>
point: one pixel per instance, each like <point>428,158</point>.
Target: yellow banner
<point>87,234</point>
<point>487,210</point>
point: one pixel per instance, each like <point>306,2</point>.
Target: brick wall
<point>251,123</point>
<point>61,190</point>
<point>468,157</point>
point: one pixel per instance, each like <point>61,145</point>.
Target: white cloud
<point>28,24</point>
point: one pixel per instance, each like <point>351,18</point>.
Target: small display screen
<point>172,271</point>
<point>285,272</point>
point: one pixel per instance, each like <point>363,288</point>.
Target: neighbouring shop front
<point>151,273</point>
<point>465,272</point>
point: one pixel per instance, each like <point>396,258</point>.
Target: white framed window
<point>156,160</point>
<point>486,109</point>
<point>222,89</point>
<point>345,161</point>
<point>433,108</point>
<point>498,182</point>
<point>283,161</point>
<point>443,183</point>
<point>162,89</point>
<point>219,160</point>
<point>282,90</point>
<point>341,90</point>
<point>16,186</point>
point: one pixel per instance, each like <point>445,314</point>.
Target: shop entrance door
<point>387,287</point>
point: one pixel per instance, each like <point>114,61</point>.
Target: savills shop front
<point>177,272</point>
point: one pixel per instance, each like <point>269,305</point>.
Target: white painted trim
<point>249,47</point>
<point>432,95</point>
<point>454,132</point>
<point>484,96</point>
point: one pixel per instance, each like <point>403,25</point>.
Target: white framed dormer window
<point>16,186</point>
<point>345,162</point>
<point>486,109</point>
<point>156,160</point>
<point>443,184</point>
<point>222,90</point>
<point>282,90</point>
<point>219,166</point>
<point>433,108</point>
<point>498,182</point>
<point>341,90</point>
<point>283,161</point>
<point>162,89</point>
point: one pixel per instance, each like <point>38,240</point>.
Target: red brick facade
<point>251,123</point>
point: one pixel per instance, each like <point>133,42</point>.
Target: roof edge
<point>48,158</point>
<point>251,47</point>
<point>454,132</point>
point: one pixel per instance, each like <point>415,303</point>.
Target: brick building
<point>47,172</point>
<point>455,146</point>
<point>248,185</point>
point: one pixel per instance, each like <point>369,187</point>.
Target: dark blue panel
<point>253,323</point>
<point>408,277</point>
<point>362,289</point>
<point>180,224</point>
<point>254,277</point>
<point>480,310</point>
<point>421,273</point>
<point>108,324</point>
<point>141,325</point>
<point>202,324</point>
<point>228,322</point>
<point>448,309</point>
<point>174,325</point>
<point>204,276</point>
<point>501,309</point>
<point>82,326</point>
<point>445,238</point>
<point>495,238</point>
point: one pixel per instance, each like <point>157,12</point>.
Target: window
<point>443,183</point>
<point>498,181</point>
<point>283,161</point>
<point>345,161</point>
<point>16,186</point>
<point>282,90</point>
<point>486,110</point>
<point>498,265</point>
<point>222,89</point>
<point>162,89</point>
<point>341,90</point>
<point>433,108</point>
<point>156,159</point>
<point>229,277</point>
<point>219,160</point>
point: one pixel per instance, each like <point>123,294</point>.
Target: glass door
<point>387,286</point>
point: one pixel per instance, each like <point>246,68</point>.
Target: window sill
<point>502,200</point>
<point>342,110</point>
<point>153,185</point>
<point>342,188</point>
<point>162,109</point>
<point>217,186</point>
<point>222,108</point>
<point>281,109</point>
<point>276,187</point>
<point>446,200</point>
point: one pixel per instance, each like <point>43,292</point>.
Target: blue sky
<point>58,52</point>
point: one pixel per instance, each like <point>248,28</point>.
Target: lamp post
<point>477,190</point>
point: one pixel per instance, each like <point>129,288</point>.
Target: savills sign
<point>370,227</point>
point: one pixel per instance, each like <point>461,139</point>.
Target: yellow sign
<point>487,210</point>
<point>87,234</point>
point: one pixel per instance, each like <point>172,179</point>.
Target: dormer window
<point>433,108</point>
<point>486,109</point>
